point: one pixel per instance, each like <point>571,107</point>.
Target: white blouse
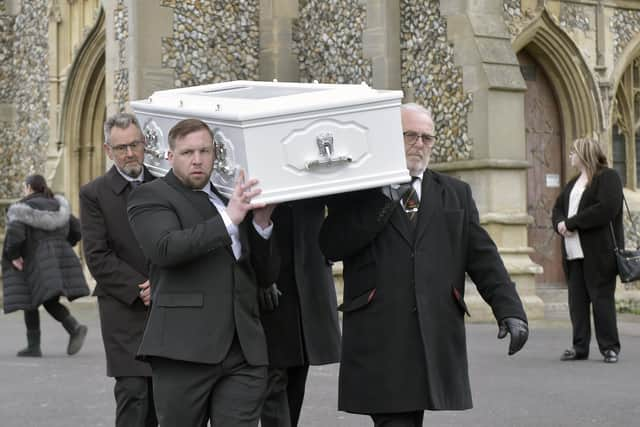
<point>572,242</point>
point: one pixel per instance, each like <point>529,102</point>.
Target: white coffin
<point>300,140</point>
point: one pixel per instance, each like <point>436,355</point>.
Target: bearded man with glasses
<point>120,268</point>
<point>406,251</point>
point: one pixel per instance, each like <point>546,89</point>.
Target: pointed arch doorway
<point>545,177</point>
<point>82,116</point>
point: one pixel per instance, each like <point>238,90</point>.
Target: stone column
<point>277,60</point>
<point>382,44</point>
<point>497,172</point>
<point>149,22</point>
<point>134,50</point>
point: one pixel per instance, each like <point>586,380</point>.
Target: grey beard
<point>132,171</point>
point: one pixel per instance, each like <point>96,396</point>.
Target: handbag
<point>628,260</point>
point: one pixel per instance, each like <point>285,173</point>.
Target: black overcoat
<point>42,231</point>
<point>303,329</point>
<point>118,265</point>
<point>403,342</point>
<point>201,295</point>
<point>600,205</point>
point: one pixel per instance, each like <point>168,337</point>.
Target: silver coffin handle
<point>324,142</point>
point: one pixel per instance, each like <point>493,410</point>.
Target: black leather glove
<point>519,331</point>
<point>269,298</point>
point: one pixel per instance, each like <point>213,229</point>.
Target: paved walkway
<point>532,389</point>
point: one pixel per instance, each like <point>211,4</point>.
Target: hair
<point>121,121</point>
<point>39,185</point>
<point>186,127</point>
<point>591,155</point>
<point>412,106</point>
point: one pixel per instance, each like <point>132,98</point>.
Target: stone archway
<point>82,116</point>
<point>577,92</point>
<point>569,96</point>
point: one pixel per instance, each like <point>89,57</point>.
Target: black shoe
<point>570,354</point>
<point>610,356</point>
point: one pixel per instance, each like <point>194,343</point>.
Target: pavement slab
<point>531,389</point>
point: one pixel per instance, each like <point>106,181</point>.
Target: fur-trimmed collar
<point>37,218</point>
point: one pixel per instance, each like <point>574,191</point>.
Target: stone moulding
<point>578,92</point>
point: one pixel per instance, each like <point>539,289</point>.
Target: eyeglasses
<point>122,148</point>
<point>412,138</point>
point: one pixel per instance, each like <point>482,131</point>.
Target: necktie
<point>411,202</point>
<point>134,184</point>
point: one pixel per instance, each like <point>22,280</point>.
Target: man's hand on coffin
<point>262,216</point>
<point>240,201</point>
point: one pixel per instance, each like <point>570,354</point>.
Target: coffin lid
<point>243,100</point>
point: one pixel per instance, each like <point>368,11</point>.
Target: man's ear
<point>107,149</point>
<point>170,156</point>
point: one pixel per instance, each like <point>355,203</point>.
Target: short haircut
<point>412,106</point>
<point>121,121</point>
<point>186,127</point>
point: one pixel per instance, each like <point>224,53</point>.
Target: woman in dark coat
<point>582,215</point>
<point>39,264</point>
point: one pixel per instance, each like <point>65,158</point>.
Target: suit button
<point>414,309</point>
<point>412,255</point>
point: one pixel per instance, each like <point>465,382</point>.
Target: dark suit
<point>592,281</point>
<point>204,308</point>
<point>118,266</point>
<point>403,342</point>
<point>303,330</point>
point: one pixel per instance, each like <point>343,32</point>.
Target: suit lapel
<point>431,201</point>
<point>198,199</point>
<point>400,222</point>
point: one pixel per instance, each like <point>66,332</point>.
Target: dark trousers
<point>134,400</point>
<point>401,419</point>
<point>189,394</point>
<point>583,293</point>
<point>285,393</point>
<point>53,307</point>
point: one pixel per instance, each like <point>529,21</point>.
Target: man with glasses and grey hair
<point>120,268</point>
<point>405,252</point>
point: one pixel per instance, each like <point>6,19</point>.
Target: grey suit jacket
<point>201,296</point>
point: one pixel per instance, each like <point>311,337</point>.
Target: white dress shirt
<point>572,242</point>
<point>232,228</point>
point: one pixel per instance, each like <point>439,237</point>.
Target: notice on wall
<point>552,180</point>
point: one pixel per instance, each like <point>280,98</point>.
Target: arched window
<point>625,132</point>
<point>619,153</point>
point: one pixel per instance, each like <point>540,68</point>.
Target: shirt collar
<point>139,178</point>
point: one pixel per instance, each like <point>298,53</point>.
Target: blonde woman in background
<point>582,213</point>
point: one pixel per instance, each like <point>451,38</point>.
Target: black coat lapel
<point>431,201</point>
<point>116,181</point>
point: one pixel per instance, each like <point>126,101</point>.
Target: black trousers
<point>189,394</point>
<point>284,397</point>
<point>583,294</point>
<point>53,307</point>
<point>401,419</point>
<point>134,402</point>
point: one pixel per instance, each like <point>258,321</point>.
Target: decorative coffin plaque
<point>300,140</point>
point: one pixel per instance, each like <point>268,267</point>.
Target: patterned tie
<point>134,184</point>
<point>411,202</point>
